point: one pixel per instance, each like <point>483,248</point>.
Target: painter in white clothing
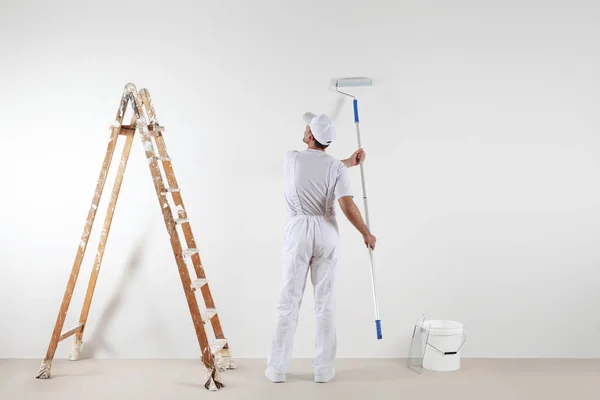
<point>314,180</point>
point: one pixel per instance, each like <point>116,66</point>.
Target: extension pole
<point>364,192</point>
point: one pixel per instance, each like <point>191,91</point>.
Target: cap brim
<point>307,117</point>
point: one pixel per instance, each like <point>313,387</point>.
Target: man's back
<point>313,181</point>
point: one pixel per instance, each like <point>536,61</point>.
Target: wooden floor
<point>356,379</point>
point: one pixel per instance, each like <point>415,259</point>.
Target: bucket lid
<point>443,328</point>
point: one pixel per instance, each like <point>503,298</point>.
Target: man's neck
<point>313,147</point>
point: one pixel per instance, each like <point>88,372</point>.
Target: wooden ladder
<point>215,356</point>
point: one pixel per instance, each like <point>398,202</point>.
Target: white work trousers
<point>311,243</point>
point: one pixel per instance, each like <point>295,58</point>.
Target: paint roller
<point>350,83</point>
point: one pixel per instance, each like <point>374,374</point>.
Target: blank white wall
<point>482,138</point>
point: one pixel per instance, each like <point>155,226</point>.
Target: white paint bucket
<point>444,342</point>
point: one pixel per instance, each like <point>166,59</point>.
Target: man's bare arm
<point>352,212</point>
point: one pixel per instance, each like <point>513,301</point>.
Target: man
<point>314,180</point>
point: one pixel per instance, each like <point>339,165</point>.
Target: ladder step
<point>156,128</point>
<point>217,346</point>
<point>172,190</point>
<point>158,158</point>
<point>198,283</point>
<point>208,314</point>
<point>71,332</point>
<point>126,130</point>
<point>180,221</point>
<point>189,252</point>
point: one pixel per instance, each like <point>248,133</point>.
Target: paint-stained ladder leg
<point>213,381</point>
<point>78,340</point>
<point>45,370</point>
<point>224,359</point>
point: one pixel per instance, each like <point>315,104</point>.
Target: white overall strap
<point>292,182</point>
<point>330,197</point>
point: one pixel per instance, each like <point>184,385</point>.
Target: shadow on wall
<point>97,340</point>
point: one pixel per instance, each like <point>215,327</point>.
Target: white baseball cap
<point>321,127</point>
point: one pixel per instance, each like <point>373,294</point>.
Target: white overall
<point>310,244</point>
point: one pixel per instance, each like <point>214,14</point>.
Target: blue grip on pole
<point>355,110</point>
<point>378,324</point>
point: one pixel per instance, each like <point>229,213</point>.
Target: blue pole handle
<point>378,324</point>
<point>355,110</point>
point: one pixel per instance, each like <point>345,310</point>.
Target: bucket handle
<point>448,353</point>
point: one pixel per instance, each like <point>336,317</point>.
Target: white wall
<point>482,137</point>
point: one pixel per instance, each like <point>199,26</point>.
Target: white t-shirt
<point>314,180</point>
